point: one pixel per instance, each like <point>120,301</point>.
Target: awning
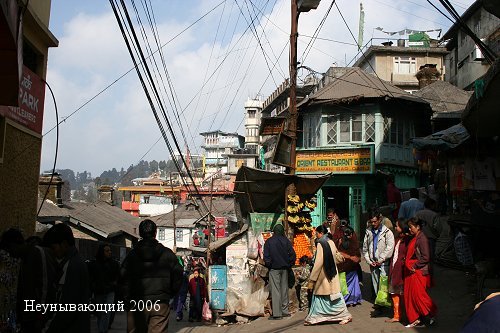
<point>264,192</point>
<point>443,140</point>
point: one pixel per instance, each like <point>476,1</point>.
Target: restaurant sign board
<point>343,161</point>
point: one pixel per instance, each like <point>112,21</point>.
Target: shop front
<point>346,188</point>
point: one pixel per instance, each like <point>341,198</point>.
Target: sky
<point>214,66</point>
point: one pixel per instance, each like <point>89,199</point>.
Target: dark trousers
<point>148,321</point>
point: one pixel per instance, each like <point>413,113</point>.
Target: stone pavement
<point>453,292</point>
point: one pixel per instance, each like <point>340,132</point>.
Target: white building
<point>253,113</point>
<point>217,145</point>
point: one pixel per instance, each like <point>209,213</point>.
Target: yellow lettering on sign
<point>358,160</point>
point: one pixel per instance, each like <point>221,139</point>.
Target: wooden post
<point>173,215</point>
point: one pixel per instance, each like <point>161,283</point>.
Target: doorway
<point>337,197</point>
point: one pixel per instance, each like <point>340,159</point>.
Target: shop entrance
<point>337,197</point>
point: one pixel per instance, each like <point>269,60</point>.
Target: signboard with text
<point>31,101</point>
<point>346,161</point>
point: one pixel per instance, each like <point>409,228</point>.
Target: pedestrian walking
<point>349,249</point>
<point>378,246</point>
<point>150,276</point>
<point>72,281</point>
<point>197,295</point>
<point>104,272</point>
<point>430,223</point>
<point>279,256</point>
<point>420,309</point>
<point>327,303</point>
<point>393,197</point>
<point>332,224</point>
<point>396,285</point>
<point>180,298</point>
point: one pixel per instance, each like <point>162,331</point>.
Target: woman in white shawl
<point>327,303</point>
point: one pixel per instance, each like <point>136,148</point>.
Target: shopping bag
<point>206,313</point>
<point>343,284</point>
<point>383,297</point>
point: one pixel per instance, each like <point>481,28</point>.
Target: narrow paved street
<point>453,293</point>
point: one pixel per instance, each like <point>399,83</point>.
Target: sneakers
<point>178,318</point>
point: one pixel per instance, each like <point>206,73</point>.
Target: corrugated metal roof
<point>107,220</point>
<point>356,84</point>
<point>444,97</point>
<point>220,207</point>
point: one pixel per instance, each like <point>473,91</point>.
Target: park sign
<point>337,161</point>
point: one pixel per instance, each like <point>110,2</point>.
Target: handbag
<point>206,313</point>
<point>383,297</point>
<point>343,284</point>
<point>291,278</point>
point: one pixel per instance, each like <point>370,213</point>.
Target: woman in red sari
<point>420,309</point>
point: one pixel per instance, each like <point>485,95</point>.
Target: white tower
<point>253,111</point>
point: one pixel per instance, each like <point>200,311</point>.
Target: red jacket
<point>397,270</point>
<point>203,286</point>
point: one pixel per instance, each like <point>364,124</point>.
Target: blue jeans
<point>103,317</point>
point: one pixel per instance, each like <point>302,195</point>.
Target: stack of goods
<point>299,213</point>
<point>299,218</point>
<point>302,246</point>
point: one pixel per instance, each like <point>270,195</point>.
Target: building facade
<point>398,64</point>
<point>21,116</point>
<point>217,146</point>
<point>465,61</point>
<point>358,128</point>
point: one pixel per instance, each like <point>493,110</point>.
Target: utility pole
<point>210,221</point>
<point>292,108</point>
<point>361,27</point>
<point>173,211</point>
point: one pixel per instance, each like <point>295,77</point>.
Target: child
<point>302,276</point>
<point>197,295</point>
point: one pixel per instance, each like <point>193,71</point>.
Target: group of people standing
<point>400,260</point>
<point>399,256</point>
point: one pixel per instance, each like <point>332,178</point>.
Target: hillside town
<point>364,195</point>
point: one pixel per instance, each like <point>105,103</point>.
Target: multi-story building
<point>217,145</point>
<point>399,63</point>
<point>25,39</point>
<point>356,128</point>
<point>465,62</point>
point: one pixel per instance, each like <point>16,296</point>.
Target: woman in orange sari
<point>420,309</point>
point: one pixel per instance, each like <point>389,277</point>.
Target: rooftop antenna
<point>361,25</point>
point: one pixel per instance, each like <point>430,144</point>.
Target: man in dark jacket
<point>72,282</point>
<point>279,256</point>
<point>150,276</point>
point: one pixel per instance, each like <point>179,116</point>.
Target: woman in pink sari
<point>420,309</point>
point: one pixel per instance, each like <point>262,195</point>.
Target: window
<point>345,129</point>
<point>179,235</point>
<point>312,130</point>
<point>369,128</point>
<point>350,128</point>
<point>398,132</point>
<point>405,65</point>
<point>251,113</point>
<point>331,130</point>
<point>161,234</point>
<point>477,25</point>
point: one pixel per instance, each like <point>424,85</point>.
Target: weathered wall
<point>19,179</point>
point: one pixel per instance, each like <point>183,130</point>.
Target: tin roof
<point>356,84</point>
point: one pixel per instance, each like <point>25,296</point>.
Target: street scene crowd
<point>151,282</point>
